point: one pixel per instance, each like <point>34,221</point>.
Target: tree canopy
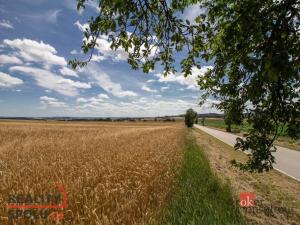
<point>190,117</point>
<point>254,45</point>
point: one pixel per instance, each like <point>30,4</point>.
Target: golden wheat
<point>114,173</point>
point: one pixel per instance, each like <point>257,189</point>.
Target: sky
<point>39,37</point>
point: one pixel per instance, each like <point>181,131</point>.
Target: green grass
<point>283,140</point>
<point>235,128</point>
<point>199,195</point>
<point>221,124</point>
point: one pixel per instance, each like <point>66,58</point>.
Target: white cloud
<point>97,58</point>
<point>94,5</point>
<point>150,81</point>
<point>193,88</point>
<point>51,15</point>
<point>33,51</point>
<point>164,88</point>
<point>7,80</point>
<point>81,27</point>
<point>68,72</point>
<point>104,81</point>
<point>81,100</point>
<point>104,50</point>
<point>8,59</point>
<point>191,12</point>
<point>210,102</point>
<point>51,102</point>
<point>42,17</point>
<point>103,96</point>
<point>142,107</point>
<point>73,52</point>
<point>51,81</point>
<point>148,89</point>
<point>92,102</point>
<point>6,24</point>
<point>103,47</point>
<point>190,81</point>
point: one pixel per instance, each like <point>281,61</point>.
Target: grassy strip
<point>245,127</point>
<point>199,196</point>
<point>283,139</point>
<point>221,124</point>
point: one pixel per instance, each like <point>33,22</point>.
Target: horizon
<point>103,117</point>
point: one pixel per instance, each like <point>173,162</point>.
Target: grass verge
<point>199,195</point>
<point>283,140</point>
<point>272,189</point>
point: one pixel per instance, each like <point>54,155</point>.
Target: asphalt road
<point>287,160</point>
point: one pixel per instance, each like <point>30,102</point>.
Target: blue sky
<point>38,37</point>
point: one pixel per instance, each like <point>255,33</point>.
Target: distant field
<point>283,139</point>
<point>219,123</point>
<point>114,173</point>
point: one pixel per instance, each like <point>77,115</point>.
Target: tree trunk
<point>228,128</point>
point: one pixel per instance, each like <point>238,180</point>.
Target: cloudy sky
<point>38,37</point>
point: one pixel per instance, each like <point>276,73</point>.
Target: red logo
<point>247,199</point>
<point>24,205</point>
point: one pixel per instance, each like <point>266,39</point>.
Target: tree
<point>228,121</point>
<point>190,117</point>
<point>232,113</point>
<point>196,119</point>
<point>203,121</point>
<point>254,45</point>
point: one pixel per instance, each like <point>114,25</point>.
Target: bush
<point>190,117</point>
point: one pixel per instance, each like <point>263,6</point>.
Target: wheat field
<point>113,173</point>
